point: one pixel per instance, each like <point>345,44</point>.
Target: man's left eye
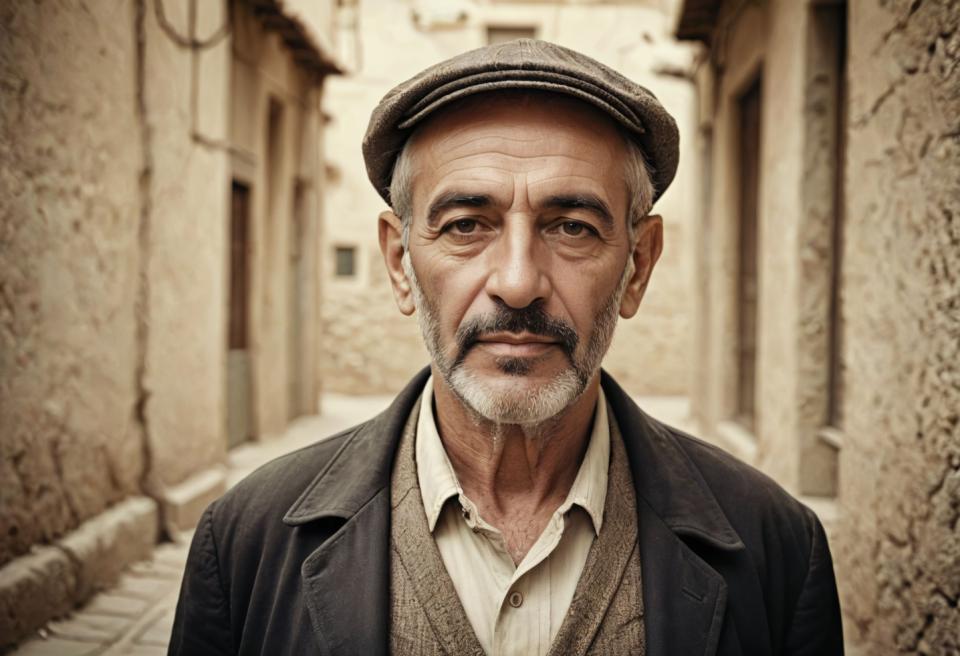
<point>573,228</point>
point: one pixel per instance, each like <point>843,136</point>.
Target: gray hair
<point>637,176</point>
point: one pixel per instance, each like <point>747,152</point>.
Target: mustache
<point>532,319</point>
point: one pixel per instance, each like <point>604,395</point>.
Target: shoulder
<point>761,511</point>
<point>259,501</point>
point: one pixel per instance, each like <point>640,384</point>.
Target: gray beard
<point>499,401</point>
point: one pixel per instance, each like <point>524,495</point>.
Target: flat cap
<point>521,64</point>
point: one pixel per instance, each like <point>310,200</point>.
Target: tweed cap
<point>521,64</point>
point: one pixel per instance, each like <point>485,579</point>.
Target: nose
<point>518,277</point>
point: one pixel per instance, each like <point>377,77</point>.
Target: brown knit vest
<point>426,616</point>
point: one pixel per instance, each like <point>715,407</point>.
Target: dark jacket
<point>295,558</point>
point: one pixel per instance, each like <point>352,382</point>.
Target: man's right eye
<point>462,226</point>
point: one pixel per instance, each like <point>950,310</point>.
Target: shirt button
<point>515,599</point>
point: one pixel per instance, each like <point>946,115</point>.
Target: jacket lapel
<point>346,580</point>
<point>685,598</point>
<point>346,584</point>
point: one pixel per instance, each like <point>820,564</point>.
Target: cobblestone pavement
<point>134,618</point>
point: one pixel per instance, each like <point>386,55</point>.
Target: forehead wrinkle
<point>498,147</point>
<point>592,184</point>
<point>483,137</point>
<point>459,164</point>
<point>440,147</point>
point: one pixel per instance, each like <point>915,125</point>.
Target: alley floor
<point>134,617</point>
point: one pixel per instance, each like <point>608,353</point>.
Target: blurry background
<point>190,282</point>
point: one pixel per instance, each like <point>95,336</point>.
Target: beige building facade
<point>826,301</point>
<point>369,347</point>
<point>159,211</point>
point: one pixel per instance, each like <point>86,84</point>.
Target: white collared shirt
<point>514,609</point>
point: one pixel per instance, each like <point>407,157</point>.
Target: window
<point>237,328</point>
<point>345,261</point>
<point>504,34</point>
<point>749,106</point>
<point>274,158</point>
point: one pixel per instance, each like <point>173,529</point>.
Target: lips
<point>514,345</point>
<point>515,333</point>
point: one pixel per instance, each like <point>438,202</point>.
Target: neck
<point>510,470</point>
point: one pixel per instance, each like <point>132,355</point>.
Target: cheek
<point>454,290</point>
<point>582,293</point>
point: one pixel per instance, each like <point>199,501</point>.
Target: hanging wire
<point>190,41</point>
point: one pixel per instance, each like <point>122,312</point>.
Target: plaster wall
<point>182,317</point>
<point>899,548</point>
<point>70,440</point>
<point>264,75</point>
<point>770,43</point>
<point>894,514</point>
<point>114,204</point>
<point>369,347</point>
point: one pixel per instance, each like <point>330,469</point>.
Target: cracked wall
<point>70,442</point>
<point>898,548</point>
<point>112,361</point>
<point>894,520</point>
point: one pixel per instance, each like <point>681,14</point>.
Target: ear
<point>390,230</point>
<point>645,255</point>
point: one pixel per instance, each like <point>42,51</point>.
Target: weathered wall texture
<point>898,550</point>
<point>370,348</point>
<point>274,165</point>
<point>69,264</point>
<point>184,94</point>
<point>114,207</point>
<point>893,512</point>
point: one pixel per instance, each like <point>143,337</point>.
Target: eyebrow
<point>455,199</point>
<point>587,202</point>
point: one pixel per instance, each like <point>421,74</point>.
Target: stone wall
<point>266,80</point>
<point>114,206</point>
<point>370,348</point>
<point>70,205</point>
<point>182,240</point>
<point>887,482</point>
<point>898,551</point>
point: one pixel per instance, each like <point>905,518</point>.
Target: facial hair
<point>499,401</point>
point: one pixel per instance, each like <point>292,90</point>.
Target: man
<point>512,500</point>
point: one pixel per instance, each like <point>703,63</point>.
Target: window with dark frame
<point>749,106</point>
<point>345,261</point>
<point>238,333</point>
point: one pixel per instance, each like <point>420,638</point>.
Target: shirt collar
<point>438,481</point>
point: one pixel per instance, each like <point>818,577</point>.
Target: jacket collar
<point>664,475</point>
<point>666,478</point>
<point>345,485</point>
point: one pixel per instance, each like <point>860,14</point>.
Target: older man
<point>513,500</point>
